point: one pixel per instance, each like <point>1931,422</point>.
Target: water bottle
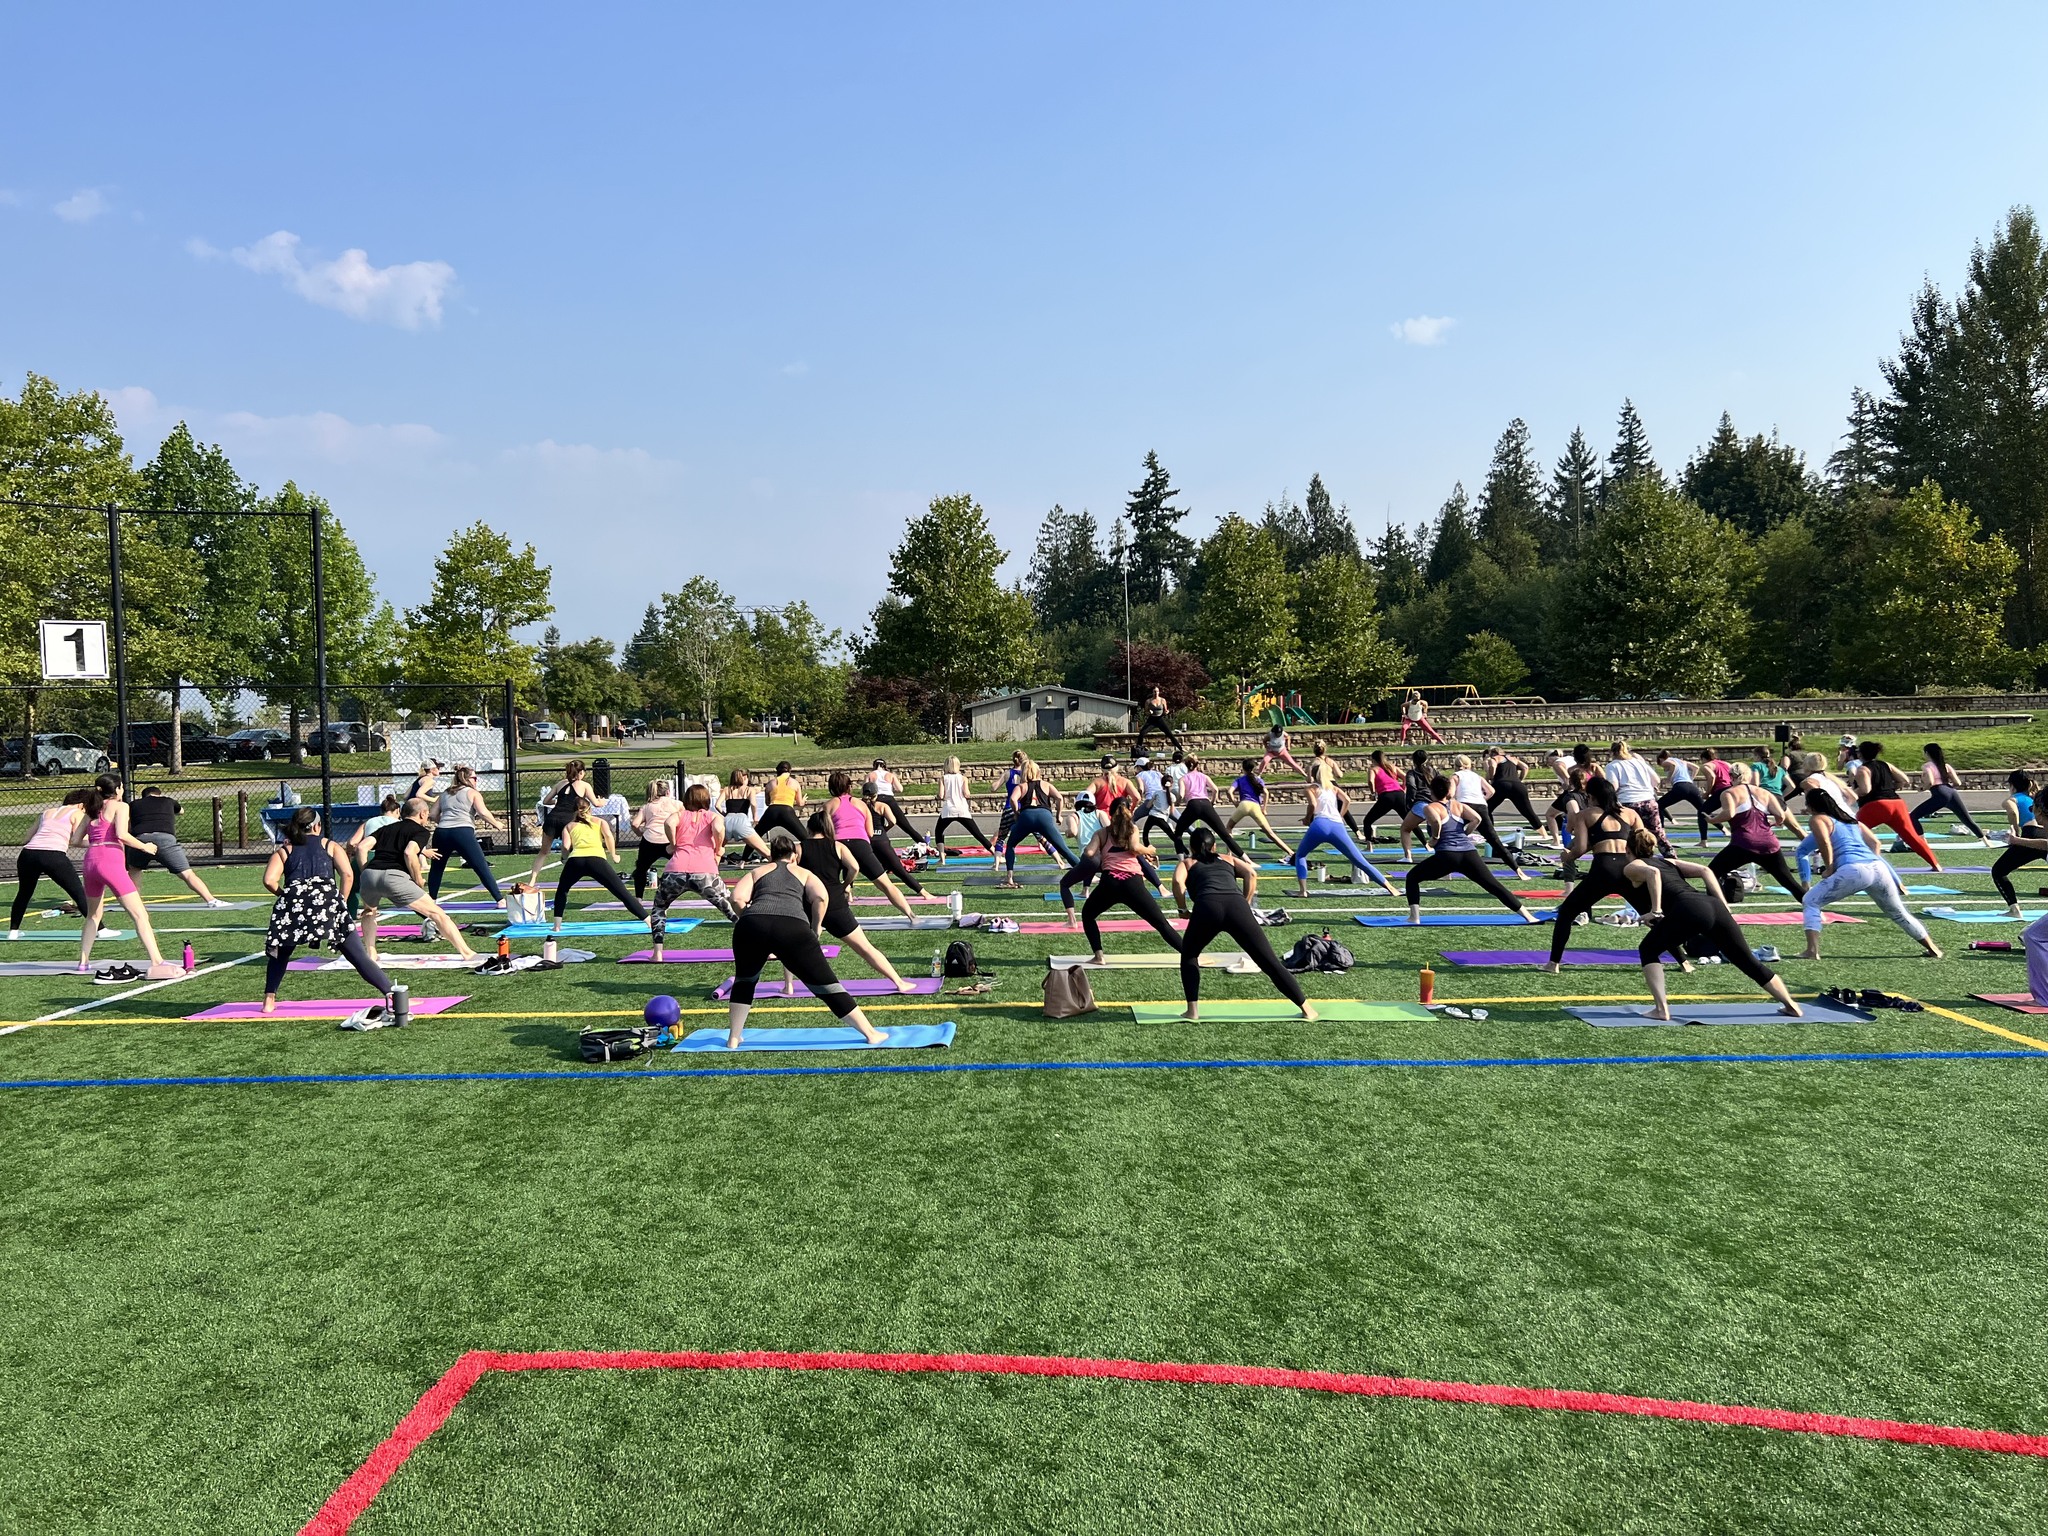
<point>191,960</point>
<point>938,959</point>
<point>955,905</point>
<point>401,1004</point>
<point>549,950</point>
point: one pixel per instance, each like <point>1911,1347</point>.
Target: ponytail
<point>1123,831</point>
<point>304,820</point>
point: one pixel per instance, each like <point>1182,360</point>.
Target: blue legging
<point>454,842</point>
<point>1035,821</point>
<point>1327,829</point>
<point>1809,845</point>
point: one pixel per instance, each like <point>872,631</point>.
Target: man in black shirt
<point>395,876</point>
<point>153,819</point>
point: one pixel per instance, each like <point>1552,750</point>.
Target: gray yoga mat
<point>1762,1011</point>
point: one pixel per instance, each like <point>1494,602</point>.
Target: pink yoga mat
<point>1108,925</point>
<point>1787,919</point>
<point>696,956</point>
<point>317,1008</point>
<point>861,986</point>
<point>2018,1002</point>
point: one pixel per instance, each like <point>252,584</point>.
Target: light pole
<point>1127,609</point>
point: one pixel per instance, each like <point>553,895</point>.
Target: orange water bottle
<point>504,949</point>
<point>1428,979</point>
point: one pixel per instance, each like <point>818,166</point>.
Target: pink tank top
<point>53,832</point>
<point>1196,785</point>
<point>101,834</point>
<point>696,840</point>
<point>848,824</point>
<point>1119,861</point>
<point>1385,782</point>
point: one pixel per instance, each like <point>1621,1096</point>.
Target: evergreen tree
<point>1630,459</point>
<point>1859,462</point>
<point>1511,501</point>
<point>1754,484</point>
<point>1454,544</point>
<point>1398,558</point>
<point>1329,530</point>
<point>1573,500</point>
<point>638,656</point>
<point>1071,581</point>
<point>1161,555</point>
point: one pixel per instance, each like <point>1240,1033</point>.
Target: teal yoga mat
<point>840,1037</point>
<point>67,935</point>
<point>588,930</point>
<point>1450,920</point>
<point>1991,915</point>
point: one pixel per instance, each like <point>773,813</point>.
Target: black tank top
<point>778,893</point>
<point>1212,879</point>
<point>821,857</point>
<point>1884,782</point>
<point>1597,830</point>
<point>1507,773</point>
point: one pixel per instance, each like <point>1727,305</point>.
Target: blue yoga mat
<point>1932,890</point>
<point>839,1037</point>
<point>1995,915</point>
<point>1450,920</point>
<point>588,930</point>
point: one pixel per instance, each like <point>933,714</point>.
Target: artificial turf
<point>223,1298</point>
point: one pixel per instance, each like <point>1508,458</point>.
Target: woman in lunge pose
<point>1122,856</point>
<point>1688,917</point>
<point>1450,824</point>
<point>1880,798</point>
<point>738,811</point>
<point>456,817</point>
<point>310,877</point>
<point>695,834</point>
<point>1249,793</point>
<point>1600,831</point>
<point>1388,797</point>
<point>1682,789</point>
<point>781,906</point>
<point>785,798</point>
<point>2023,846</point>
<point>956,809</point>
<point>1034,800</point>
<point>48,853</point>
<point>102,829</point>
<point>882,818</point>
<point>1944,793</point>
<point>1508,776</point>
<point>1752,815</point>
<point>854,828</point>
<point>557,809</point>
<point>395,875</point>
<point>1327,806</point>
<point>588,852</point>
<point>651,822</point>
<point>835,871</point>
<point>1215,895</point>
<point>1850,862</point>
<point>1198,804</point>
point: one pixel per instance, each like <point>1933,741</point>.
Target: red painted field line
<point>432,1410</point>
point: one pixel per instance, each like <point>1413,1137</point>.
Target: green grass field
<point>223,1298</point>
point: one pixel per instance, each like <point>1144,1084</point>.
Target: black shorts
<point>839,919</point>
<point>864,855</point>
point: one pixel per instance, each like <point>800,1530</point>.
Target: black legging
<point>1395,805</point>
<point>1086,868</point>
<point>351,948</point>
<point>650,857</point>
<point>1688,792</point>
<point>31,865</point>
<point>1680,927</point>
<point>973,826</point>
<point>759,937</point>
<point>1157,723</point>
<point>1605,878</point>
<point>1227,912</point>
<point>1466,862</point>
<point>783,816</point>
<point>1517,795</point>
<point>1163,823</point>
<point>1203,811</point>
<point>1943,797</point>
<point>896,809</point>
<point>1772,864</point>
<point>1491,833</point>
<point>590,866</point>
<point>891,863</point>
<point>2010,860</point>
<point>1129,891</point>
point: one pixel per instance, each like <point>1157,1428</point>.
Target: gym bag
<point>960,959</point>
<point>619,1044</point>
<point>1067,992</point>
<point>1318,952</point>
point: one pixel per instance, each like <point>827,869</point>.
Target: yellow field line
<point>1989,1029</point>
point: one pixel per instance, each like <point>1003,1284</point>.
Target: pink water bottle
<point>190,959</point>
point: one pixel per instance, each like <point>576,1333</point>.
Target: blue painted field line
<point>315,1079</point>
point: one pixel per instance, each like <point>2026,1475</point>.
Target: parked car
<point>538,732</point>
<point>342,736</point>
<point>262,743</point>
<point>57,752</point>
<point>636,727</point>
<point>149,741</point>
<point>464,723</point>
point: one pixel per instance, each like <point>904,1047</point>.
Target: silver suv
<point>58,752</point>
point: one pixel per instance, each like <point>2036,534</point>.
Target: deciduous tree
<point>1244,629</point>
<point>1342,662</point>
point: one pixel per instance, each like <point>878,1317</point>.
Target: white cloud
<point>82,206</point>
<point>587,462</point>
<point>200,248</point>
<point>324,436</point>
<point>1423,330</point>
<point>407,294</point>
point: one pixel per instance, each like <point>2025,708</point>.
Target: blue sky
<point>733,290</point>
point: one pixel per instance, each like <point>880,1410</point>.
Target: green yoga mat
<point>1336,1010</point>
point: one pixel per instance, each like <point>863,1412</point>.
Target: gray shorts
<point>390,888</point>
<point>168,853</point>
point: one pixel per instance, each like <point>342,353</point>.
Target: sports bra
<point>100,833</point>
<point>2024,804</point>
<point>740,807</point>
<point>1036,796</point>
<point>1596,829</point>
<point>1453,835</point>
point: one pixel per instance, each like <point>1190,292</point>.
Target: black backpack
<point>960,959</point>
<point>1318,952</point>
<point>619,1044</point>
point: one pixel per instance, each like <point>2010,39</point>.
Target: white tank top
<point>1326,803</point>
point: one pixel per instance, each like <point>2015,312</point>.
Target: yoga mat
<point>1788,919</point>
<point>396,930</point>
<point>1211,960</point>
<point>1107,925</point>
<point>1966,869</point>
<point>1337,1010</point>
<point>1024,877</point>
<point>843,1037</point>
<point>472,906</point>
<point>2017,1002</point>
<point>901,923</point>
<point>1932,890</point>
<point>1449,920</point>
<point>40,968</point>
<point>404,963</point>
<point>696,956</point>
<point>587,930</point>
<point>187,908</point>
<point>317,1008</point>
<point>1995,915</point>
<point>860,986</point>
<point>67,936</point>
<point>1539,956</point>
<point>1762,1011</point>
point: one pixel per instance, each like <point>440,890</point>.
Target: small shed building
<point>1048,714</point>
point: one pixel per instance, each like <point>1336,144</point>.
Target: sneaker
<point>215,905</point>
<point>376,1016</point>
<point>1768,954</point>
<point>115,975</point>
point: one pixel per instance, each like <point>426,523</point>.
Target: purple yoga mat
<point>317,1008</point>
<point>695,956</point>
<point>864,986</point>
<point>1539,956</point>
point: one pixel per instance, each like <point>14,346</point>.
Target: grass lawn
<point>224,1297</point>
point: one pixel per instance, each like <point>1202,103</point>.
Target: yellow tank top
<point>782,789</point>
<point>583,840</point>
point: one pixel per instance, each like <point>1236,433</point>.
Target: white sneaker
<point>215,905</point>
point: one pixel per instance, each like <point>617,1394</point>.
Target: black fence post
<point>512,808</point>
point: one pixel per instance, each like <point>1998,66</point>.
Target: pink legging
<point>1421,725</point>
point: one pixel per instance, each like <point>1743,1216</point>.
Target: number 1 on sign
<point>76,639</point>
